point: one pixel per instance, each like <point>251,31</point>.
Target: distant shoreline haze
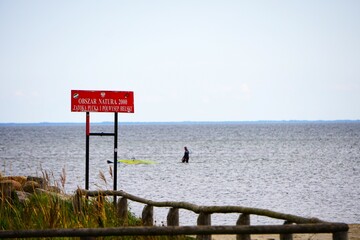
<point>176,122</point>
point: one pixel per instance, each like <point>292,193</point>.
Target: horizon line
<point>177,122</point>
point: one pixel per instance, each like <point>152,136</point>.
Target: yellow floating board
<point>136,161</point>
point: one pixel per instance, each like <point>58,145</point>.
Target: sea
<point>304,168</point>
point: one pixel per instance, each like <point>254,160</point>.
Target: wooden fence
<point>203,230</point>
<point>242,228</point>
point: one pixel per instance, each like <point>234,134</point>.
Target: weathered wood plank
<point>340,229</point>
<point>173,217</point>
<point>204,219</point>
<point>208,209</point>
<point>148,215</point>
<point>340,235</point>
<point>122,211</point>
<point>243,220</point>
<point>77,201</point>
<point>286,236</point>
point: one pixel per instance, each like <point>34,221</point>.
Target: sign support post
<point>101,101</point>
<point>87,151</point>
<point>115,152</point>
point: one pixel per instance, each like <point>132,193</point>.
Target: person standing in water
<point>185,158</point>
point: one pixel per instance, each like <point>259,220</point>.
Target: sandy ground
<point>354,234</point>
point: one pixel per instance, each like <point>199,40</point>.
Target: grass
<point>47,211</point>
<point>43,211</point>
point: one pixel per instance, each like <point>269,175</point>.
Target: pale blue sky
<point>185,60</point>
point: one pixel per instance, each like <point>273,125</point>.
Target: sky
<point>188,60</point>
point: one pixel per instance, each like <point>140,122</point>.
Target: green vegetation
<point>47,210</point>
<point>43,211</point>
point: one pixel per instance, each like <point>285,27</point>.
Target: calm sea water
<point>309,169</point>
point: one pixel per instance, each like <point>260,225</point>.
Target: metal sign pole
<point>115,152</point>
<point>87,154</point>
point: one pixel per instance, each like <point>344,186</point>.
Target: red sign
<point>102,101</point>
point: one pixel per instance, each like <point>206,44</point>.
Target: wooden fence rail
<point>339,231</point>
<point>200,209</point>
<point>203,230</point>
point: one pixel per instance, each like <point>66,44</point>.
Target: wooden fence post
<point>100,210</point>
<point>147,215</point>
<point>286,236</point>
<point>244,219</point>
<point>173,217</point>
<point>340,236</point>
<point>204,219</point>
<point>122,211</point>
<point>77,201</point>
